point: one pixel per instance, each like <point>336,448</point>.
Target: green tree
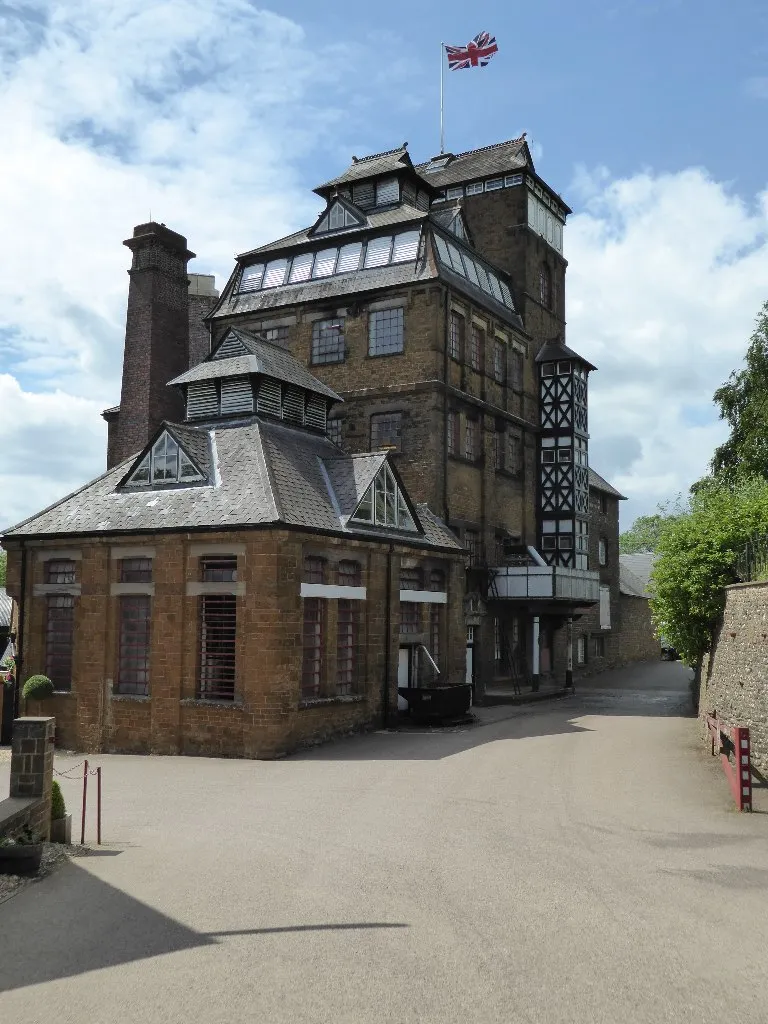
<point>696,552</point>
<point>743,402</point>
<point>644,533</point>
<point>3,560</point>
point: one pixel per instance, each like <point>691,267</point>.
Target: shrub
<point>58,807</point>
<point>37,688</point>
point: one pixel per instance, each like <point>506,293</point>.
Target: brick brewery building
<point>177,596</point>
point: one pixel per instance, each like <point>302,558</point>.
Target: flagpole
<point>442,62</point>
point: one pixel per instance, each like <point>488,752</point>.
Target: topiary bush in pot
<point>37,688</point>
<point>61,822</point>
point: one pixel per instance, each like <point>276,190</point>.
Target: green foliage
<point>743,402</point>
<point>3,564</point>
<point>25,837</point>
<point>644,533</point>
<point>697,550</point>
<point>37,688</point>
<point>58,807</point>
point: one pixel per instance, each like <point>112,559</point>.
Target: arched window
<point>545,285</point>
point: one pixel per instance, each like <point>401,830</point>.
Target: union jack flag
<point>477,52</point>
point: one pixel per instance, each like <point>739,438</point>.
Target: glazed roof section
<point>461,272</point>
<point>267,473</point>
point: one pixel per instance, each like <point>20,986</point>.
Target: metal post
<point>98,805</point>
<point>442,63</point>
<point>85,802</point>
<point>569,651</point>
<point>535,653</point>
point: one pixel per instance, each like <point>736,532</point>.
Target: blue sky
<point>220,116</point>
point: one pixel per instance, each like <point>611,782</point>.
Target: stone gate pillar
<point>32,767</point>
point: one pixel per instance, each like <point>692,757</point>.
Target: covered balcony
<point>545,583</point>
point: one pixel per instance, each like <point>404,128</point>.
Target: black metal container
<point>437,701</point>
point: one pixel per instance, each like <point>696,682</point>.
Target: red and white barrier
<point>733,739</point>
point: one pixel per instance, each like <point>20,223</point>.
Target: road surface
<point>576,860</point>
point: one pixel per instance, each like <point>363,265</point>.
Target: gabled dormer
<point>341,215</point>
<point>176,457</point>
<point>384,504</point>
<point>247,375</point>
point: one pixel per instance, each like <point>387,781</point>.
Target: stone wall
<point>734,678</point>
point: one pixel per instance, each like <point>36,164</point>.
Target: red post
<point>98,805</point>
<point>743,768</point>
<point>85,801</point>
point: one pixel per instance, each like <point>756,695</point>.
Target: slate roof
<point>264,357</point>
<point>500,158</point>
<point>635,574</point>
<point>554,349</point>
<point>6,605</point>
<point>389,162</point>
<point>403,213</point>
<point>267,473</point>
<point>597,483</point>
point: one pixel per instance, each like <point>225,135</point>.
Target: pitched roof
<point>501,157</point>
<point>264,357</point>
<point>6,607</point>
<point>635,574</point>
<point>268,473</point>
<point>597,483</point>
<point>389,162</point>
<point>555,349</point>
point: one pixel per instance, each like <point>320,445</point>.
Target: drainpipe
<point>569,652</point>
<point>446,513</point>
<point>535,653</point>
<point>387,641</point>
<point>20,632</point>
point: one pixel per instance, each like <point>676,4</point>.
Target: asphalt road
<point>574,861</point>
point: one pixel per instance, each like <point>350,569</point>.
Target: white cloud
<point>198,110</point>
<point>666,275</point>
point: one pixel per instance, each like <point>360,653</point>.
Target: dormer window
<point>166,463</point>
<point>337,218</point>
<point>383,504</point>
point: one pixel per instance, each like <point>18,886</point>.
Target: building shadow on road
<point>73,922</point>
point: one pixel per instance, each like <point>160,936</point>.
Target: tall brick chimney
<point>156,339</point>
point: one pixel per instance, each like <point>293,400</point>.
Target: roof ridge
<point>494,145</point>
<point>375,156</point>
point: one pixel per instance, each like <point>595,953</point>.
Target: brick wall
<point>733,677</point>
<point>156,336</point>
<point>268,716</point>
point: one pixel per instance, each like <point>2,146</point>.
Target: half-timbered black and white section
<point>563,457</point>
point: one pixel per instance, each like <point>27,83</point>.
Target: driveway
<point>577,860</point>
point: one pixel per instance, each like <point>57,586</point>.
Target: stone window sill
<point>62,693</point>
<point>140,697</point>
<point>194,702</point>
<point>318,702</point>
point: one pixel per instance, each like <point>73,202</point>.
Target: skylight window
<point>379,251</point>
<point>470,267</point>
<point>166,463</point>
<point>274,273</point>
<point>325,262</point>
<point>406,247</point>
<point>383,504</point>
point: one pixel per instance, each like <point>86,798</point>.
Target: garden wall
<point>734,678</point>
